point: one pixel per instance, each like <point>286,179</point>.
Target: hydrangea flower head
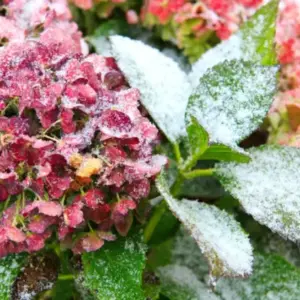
<point>76,150</point>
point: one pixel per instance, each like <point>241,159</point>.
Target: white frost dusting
<point>241,45</point>
<point>219,236</point>
<point>229,49</point>
<point>187,280</point>
<point>268,187</point>
<point>232,99</point>
<point>163,85</point>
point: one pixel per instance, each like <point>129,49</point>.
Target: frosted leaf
<point>10,267</point>
<point>254,41</point>
<point>268,187</point>
<point>163,85</point>
<point>273,278</point>
<point>179,282</point>
<point>219,236</point>
<point>185,252</point>
<point>232,100</point>
<point>115,271</point>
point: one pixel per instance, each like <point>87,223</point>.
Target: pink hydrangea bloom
<point>71,132</point>
<point>286,107</point>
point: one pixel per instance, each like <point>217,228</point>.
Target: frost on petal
<point>73,215</point>
<point>232,100</point>
<point>219,236</point>
<point>267,187</point>
<point>114,123</point>
<point>138,189</point>
<point>163,86</point>
<point>49,208</point>
<point>93,197</point>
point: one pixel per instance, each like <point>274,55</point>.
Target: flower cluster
<point>75,149</point>
<point>186,23</point>
<point>284,115</point>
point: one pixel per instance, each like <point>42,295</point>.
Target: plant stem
<point>177,152</point>
<point>175,189</point>
<point>198,173</point>
<point>154,220</point>
<point>65,277</point>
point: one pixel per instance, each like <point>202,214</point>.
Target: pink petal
<point>93,197</point>
<point>73,215</point>
<point>50,208</point>
<point>14,234</point>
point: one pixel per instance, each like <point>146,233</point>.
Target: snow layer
<point>163,85</point>
<point>268,187</point>
<point>219,236</point>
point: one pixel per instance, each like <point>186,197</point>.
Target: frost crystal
<point>163,86</point>
<point>179,282</point>
<point>232,99</point>
<point>219,236</point>
<point>268,187</point>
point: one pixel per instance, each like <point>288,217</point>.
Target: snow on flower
<point>76,151</point>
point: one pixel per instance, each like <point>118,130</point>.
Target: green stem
<point>198,173</point>
<point>65,277</point>
<point>177,152</point>
<point>154,220</point>
<point>175,189</point>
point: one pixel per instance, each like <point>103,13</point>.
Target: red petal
<point>73,215</point>
<point>93,197</point>
<point>139,189</point>
<point>115,123</point>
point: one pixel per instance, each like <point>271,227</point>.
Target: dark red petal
<point>67,124</point>
<point>123,223</point>
<point>93,197</point>
<point>138,189</point>
<point>115,123</point>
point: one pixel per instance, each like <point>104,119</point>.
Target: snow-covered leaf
<point>224,153</point>
<point>254,41</point>
<point>10,267</point>
<point>268,187</point>
<point>232,99</point>
<point>163,85</point>
<point>115,271</point>
<point>273,278</point>
<point>219,236</point>
<point>179,282</point>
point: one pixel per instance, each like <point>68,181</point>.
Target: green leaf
<point>151,287</point>
<point>198,142</point>
<point>254,42</point>
<point>115,271</point>
<point>219,236</point>
<point>232,100</point>
<point>163,85</point>
<point>179,282</point>
<point>201,187</point>
<point>10,267</point>
<point>273,278</point>
<point>267,187</point>
<point>224,153</point>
